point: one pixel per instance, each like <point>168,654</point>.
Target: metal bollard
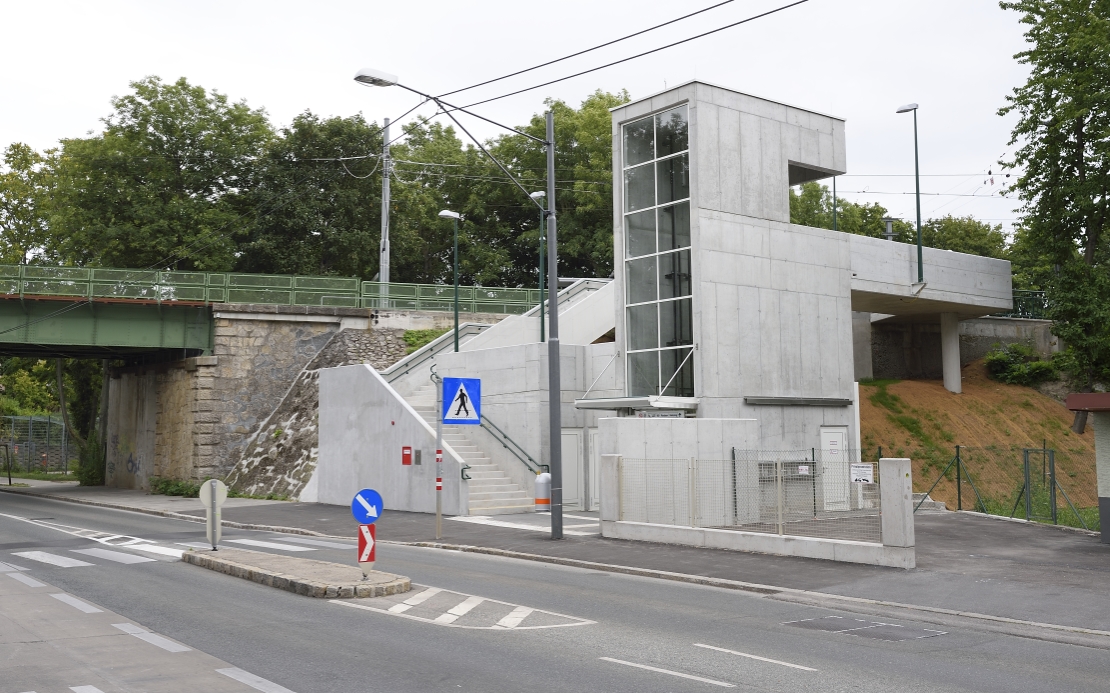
<point>543,493</point>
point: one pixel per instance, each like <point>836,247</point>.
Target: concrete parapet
<point>805,547</point>
<point>896,499</point>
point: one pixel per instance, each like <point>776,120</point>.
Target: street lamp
<point>378,78</point>
<point>537,196</point>
<point>454,217</point>
<point>917,178</point>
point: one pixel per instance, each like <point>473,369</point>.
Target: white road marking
<point>722,684</point>
<point>256,682</point>
<point>43,557</point>
<point>83,689</point>
<point>415,600</point>
<point>459,610</point>
<point>486,520</point>
<point>7,567</point>
<point>26,580</point>
<point>76,603</point>
<point>160,550</point>
<point>751,656</point>
<point>268,545</point>
<point>317,542</point>
<point>515,617</point>
<point>574,620</point>
<point>581,517</point>
<point>117,556</point>
<point>152,638</point>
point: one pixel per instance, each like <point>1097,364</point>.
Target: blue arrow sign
<point>367,506</point>
<point>462,401</point>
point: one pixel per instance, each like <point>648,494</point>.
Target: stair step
<point>508,487</point>
<point>498,495</point>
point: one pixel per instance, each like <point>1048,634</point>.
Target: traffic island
<point>303,576</point>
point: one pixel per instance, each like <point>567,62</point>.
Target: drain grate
<point>873,630</point>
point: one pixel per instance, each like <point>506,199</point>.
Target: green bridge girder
<point>116,330</point>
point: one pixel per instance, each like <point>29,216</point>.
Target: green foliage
<point>1018,364</point>
<point>28,388</point>
<point>964,235</point>
<point>418,338</point>
<point>24,232</point>
<point>173,487</point>
<point>162,185</point>
<point>812,205</point>
<point>1080,311</point>
<point>91,464</point>
<point>39,476</point>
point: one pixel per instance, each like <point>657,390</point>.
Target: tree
<point>1063,133</point>
<point>24,233</point>
<point>812,205</point>
<point>162,186</point>
<point>964,235</point>
<point>316,217</point>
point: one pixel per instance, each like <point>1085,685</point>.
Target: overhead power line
<point>587,50</point>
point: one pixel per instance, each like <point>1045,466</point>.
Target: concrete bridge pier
<point>950,351</point>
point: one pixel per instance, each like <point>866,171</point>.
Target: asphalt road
<point>643,634</point>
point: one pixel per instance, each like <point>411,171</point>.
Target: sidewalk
<point>965,562</point>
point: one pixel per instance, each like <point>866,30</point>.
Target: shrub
<point>418,338</point>
<point>1018,364</point>
<point>90,462</point>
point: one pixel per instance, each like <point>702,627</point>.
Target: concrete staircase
<point>491,490</point>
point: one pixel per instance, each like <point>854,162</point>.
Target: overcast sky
<point>856,59</point>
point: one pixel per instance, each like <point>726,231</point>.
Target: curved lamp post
<point>917,179</point>
<point>454,217</point>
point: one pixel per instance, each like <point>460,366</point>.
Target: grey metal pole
<point>387,170</point>
<point>917,179</point>
<point>543,238</point>
<point>456,222</point>
<point>439,456</point>
<point>554,381</point>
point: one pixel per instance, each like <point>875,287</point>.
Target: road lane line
<point>160,550</point>
<point>152,638</point>
<point>751,656</point>
<point>415,600</point>
<point>6,567</point>
<point>574,620</point>
<point>317,542</point>
<point>43,557</point>
<point>459,610</point>
<point>256,682</point>
<point>26,580</point>
<point>515,617</point>
<point>83,689</point>
<point>722,684</point>
<point>76,603</point>
<point>268,545</point>
<point>117,556</point>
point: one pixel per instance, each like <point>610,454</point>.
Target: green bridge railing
<point>40,281</point>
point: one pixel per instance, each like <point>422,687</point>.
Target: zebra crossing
<point>441,607</point>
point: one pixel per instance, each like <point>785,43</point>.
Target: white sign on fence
<point>862,473</point>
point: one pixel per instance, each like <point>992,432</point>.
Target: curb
<point>291,583</point>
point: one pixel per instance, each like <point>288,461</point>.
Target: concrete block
<point>896,498</point>
<point>610,487</point>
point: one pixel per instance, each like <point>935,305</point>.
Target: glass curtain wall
<point>659,318</point>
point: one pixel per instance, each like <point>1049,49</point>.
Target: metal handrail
<point>430,350</point>
<point>532,465</point>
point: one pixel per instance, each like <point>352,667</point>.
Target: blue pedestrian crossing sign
<point>462,401</point>
<point>367,506</point>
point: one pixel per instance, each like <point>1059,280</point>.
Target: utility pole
<point>387,170</point>
<point>554,381</point>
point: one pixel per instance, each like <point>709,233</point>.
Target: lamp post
<point>381,79</point>
<point>454,217</point>
<point>537,196</point>
<point>917,180</point>
<point>378,78</point>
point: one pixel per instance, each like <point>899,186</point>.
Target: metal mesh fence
<point>36,444</point>
<point>1061,483</point>
<point>811,493</point>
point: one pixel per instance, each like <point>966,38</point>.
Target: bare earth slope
<point>921,420</point>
